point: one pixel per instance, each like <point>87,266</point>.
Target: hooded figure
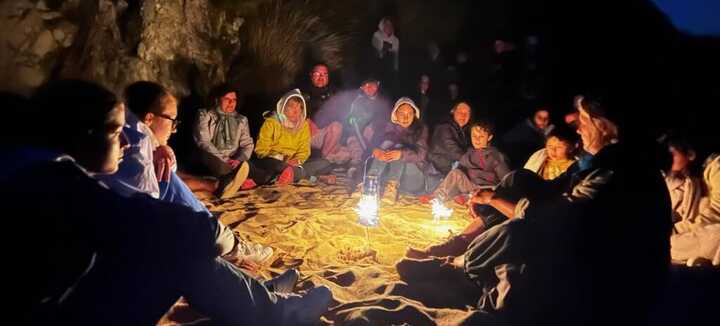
<point>386,44</point>
<point>280,137</point>
<point>402,151</point>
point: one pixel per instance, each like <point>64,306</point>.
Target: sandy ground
<point>313,227</point>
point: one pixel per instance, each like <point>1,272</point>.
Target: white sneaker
<point>237,182</point>
<point>306,309</point>
<point>254,252</point>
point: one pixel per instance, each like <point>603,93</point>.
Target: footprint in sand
<point>343,279</point>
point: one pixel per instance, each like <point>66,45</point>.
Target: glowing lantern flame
<point>440,211</point>
<point>368,207</point>
<point>367,210</point>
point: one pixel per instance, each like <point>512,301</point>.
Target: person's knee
<point>334,128</point>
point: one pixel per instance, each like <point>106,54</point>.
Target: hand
<point>233,163</point>
<point>293,162</point>
<point>482,197</point>
<point>163,161</point>
<point>248,265</point>
<point>393,155</point>
<point>379,154</point>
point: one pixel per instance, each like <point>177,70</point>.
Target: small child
<point>482,166</point>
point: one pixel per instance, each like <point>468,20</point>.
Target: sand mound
<point>313,227</point>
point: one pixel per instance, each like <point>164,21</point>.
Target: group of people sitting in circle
<point>132,237</point>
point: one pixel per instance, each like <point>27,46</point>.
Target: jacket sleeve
<point>265,139</point>
<point>303,152</point>
<point>444,136</point>
<point>567,203</point>
<point>245,142</point>
<point>203,134</point>
<point>501,168</point>
<point>419,153</point>
<point>466,160</point>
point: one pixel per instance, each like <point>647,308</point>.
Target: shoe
<point>390,194</point>
<point>248,184</point>
<point>283,283</point>
<point>425,199</point>
<point>460,200</point>
<point>328,179</point>
<point>306,309</point>
<point>237,182</point>
<point>254,252</point>
<point>455,246</point>
<point>286,177</point>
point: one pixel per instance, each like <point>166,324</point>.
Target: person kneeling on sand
<point>108,259</point>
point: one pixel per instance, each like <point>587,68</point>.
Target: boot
<point>390,194</point>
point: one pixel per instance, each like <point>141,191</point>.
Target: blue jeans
<point>120,294</point>
<point>176,191</point>
<point>408,175</point>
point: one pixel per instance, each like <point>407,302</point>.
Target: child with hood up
<point>283,145</point>
<point>399,160</point>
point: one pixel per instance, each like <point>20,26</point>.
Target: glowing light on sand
<point>369,206</point>
<point>440,211</point>
<point>367,210</point>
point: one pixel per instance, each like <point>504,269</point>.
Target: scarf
<point>225,130</point>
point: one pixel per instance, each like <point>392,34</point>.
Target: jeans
<point>408,175</point>
<point>122,294</point>
<point>264,170</point>
<point>176,191</point>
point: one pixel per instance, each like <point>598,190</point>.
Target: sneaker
<point>237,182</point>
<point>286,177</point>
<point>248,184</point>
<point>391,192</point>
<point>425,199</point>
<point>453,247</point>
<point>283,283</point>
<point>306,309</point>
<point>254,252</point>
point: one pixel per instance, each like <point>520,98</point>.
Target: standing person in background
<point>387,51</point>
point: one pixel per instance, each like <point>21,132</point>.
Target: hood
<point>381,25</point>
<point>401,101</point>
<point>280,109</point>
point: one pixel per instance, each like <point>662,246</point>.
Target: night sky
<point>697,17</point>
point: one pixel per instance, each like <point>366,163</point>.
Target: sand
<point>313,228</point>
